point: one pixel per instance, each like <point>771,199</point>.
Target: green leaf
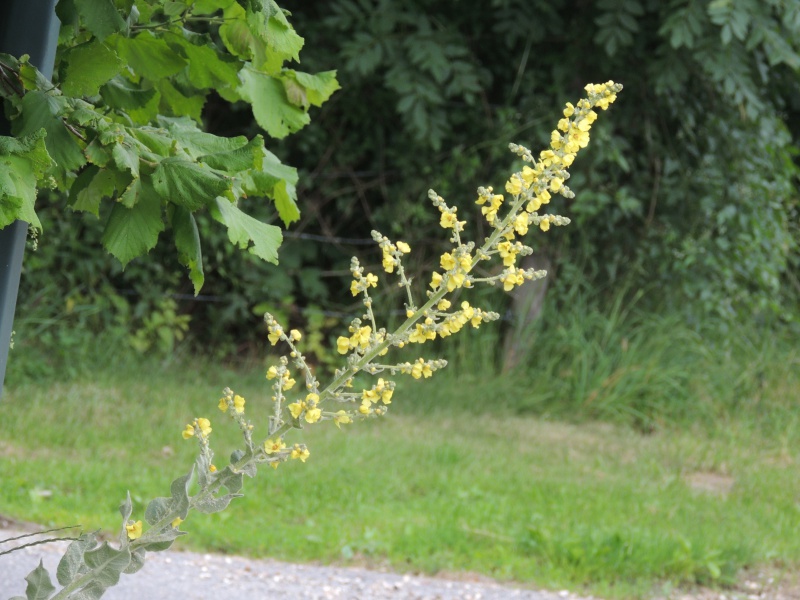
<point>286,202</point>
<point>188,183</point>
<point>119,93</point>
<point>89,66</point>
<point>244,229</point>
<point>157,509</point>
<point>22,163</point>
<point>187,242</point>
<point>207,68</point>
<point>175,102</point>
<point>126,157</point>
<point>100,16</point>
<point>318,87</point>
<point>126,508</point>
<point>180,493</point>
<point>132,232</point>
<point>212,505</point>
<point>198,143</point>
<point>233,481</point>
<point>249,155</point>
<point>89,189</point>
<point>107,563</point>
<point>39,585</point>
<point>43,111</point>
<point>137,561</point>
<point>149,56</point>
<point>72,561</point>
<point>271,107</point>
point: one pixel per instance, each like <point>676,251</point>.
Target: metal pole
<point>26,27</point>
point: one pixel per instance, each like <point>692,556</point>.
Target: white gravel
<point>192,576</point>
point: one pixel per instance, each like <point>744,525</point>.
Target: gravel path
<point>190,576</point>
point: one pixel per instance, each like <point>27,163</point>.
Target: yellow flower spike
<point>447,261</point>
<point>238,404</point>
<point>134,530</point>
<point>403,247</point>
<point>205,426</point>
<point>272,372</point>
<point>273,446</point>
<point>176,522</point>
<point>340,418</point>
<point>313,415</point>
<point>188,432</point>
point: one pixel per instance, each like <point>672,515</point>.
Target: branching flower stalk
<point>90,569</point>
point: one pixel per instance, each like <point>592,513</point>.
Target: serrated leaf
<point>149,56</point>
<point>22,163</point>
<point>43,111</point>
<point>271,107</point>
<point>318,86</point>
<point>88,196</point>
<point>107,563</point>
<point>250,155</point>
<point>174,102</point>
<point>212,505</point>
<point>119,93</point>
<point>187,242</point>
<point>39,585</point>
<point>157,509</point>
<point>198,143</point>
<point>187,183</point>
<point>96,154</point>
<point>285,196</point>
<point>130,196</point>
<point>244,229</point>
<point>132,232</point>
<point>72,562</point>
<point>89,66</point>
<point>100,17</point>
<point>126,157</point>
<point>207,68</point>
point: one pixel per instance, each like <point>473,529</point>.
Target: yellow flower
<point>447,261</point>
<point>514,185</point>
<point>455,281</point>
<point>436,280</point>
<point>341,417</point>
<point>134,530</point>
<point>176,522</point>
<point>372,280</point>
<point>528,175</point>
<point>238,404</point>
<point>448,220</point>
<point>272,373</point>
<point>343,344</point>
<point>521,223</point>
<point>444,304</point>
<point>212,468</point>
<point>204,425</point>
<point>544,224</point>
<point>403,247</point>
<point>388,262</point>
<point>569,110</point>
<point>188,432</point>
<point>295,335</point>
<point>223,404</point>
<point>275,335</point>
<point>273,446</point>
<point>556,183</point>
<point>313,415</point>
<point>300,452</point>
<point>297,408</point>
<point>288,383</point>
<point>421,369</point>
<point>361,337</point>
<point>386,396</point>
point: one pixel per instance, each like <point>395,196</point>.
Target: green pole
<point>26,27</point>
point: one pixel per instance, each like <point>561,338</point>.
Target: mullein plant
<point>88,568</point>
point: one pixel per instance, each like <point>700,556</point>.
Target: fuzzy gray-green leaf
<point>72,562</point>
<point>107,563</point>
<point>39,585</point>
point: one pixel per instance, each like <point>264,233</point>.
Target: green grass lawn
<point>596,508</point>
